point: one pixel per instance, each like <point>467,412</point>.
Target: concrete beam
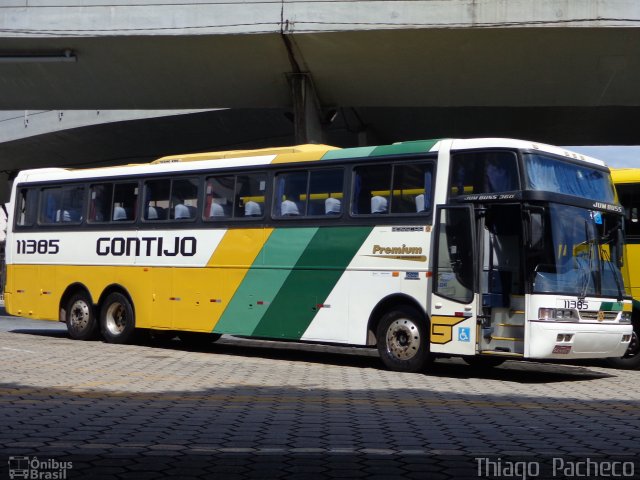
<point>53,18</point>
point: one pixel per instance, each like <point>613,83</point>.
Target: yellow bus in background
<point>627,181</point>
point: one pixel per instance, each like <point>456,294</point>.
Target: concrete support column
<point>307,114</point>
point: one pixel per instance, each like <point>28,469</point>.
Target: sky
<point>614,156</point>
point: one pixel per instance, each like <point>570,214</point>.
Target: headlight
<point>555,314</point>
<point>625,317</point>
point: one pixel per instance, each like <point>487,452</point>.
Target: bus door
<point>501,312</point>
<point>454,303</point>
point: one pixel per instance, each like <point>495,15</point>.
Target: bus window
<point>157,194</point>
<point>100,201</point>
<point>26,207</point>
<point>290,194</point>
<point>219,197</point>
<point>325,192</point>
<point>483,172</point>
<point>62,205</point>
<point>630,198</point>
<point>113,202</point>
<point>412,188</point>
<point>184,199</point>
<point>371,190</point>
<point>125,201</point>
<point>249,195</point>
<point>308,193</point>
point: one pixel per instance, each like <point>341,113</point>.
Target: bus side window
<point>249,195</point>
<point>157,199</point>
<point>325,192</point>
<point>125,201</point>
<point>371,189</point>
<point>100,201</point>
<point>290,199</point>
<point>72,205</point>
<point>62,205</point>
<point>218,202</point>
<point>184,198</point>
<point>26,207</point>
<point>412,188</point>
<point>483,172</point>
<point>630,200</point>
<point>51,199</point>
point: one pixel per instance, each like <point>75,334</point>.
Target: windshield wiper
<point>589,243</point>
<point>607,259</point>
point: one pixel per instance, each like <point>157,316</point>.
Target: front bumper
<point>566,340</point>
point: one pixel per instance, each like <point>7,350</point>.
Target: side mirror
<point>536,231</point>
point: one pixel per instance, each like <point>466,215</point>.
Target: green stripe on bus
<point>611,307</point>
<point>419,146</point>
<point>310,283</point>
<point>262,282</point>
<point>348,153</point>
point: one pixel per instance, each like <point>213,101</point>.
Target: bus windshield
<point>553,175</point>
<point>579,254</point>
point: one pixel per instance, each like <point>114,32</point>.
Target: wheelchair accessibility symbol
<point>464,334</point>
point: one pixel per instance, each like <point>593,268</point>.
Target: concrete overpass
<point>347,71</point>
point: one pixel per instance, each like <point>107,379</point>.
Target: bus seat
<point>217,210</point>
<point>63,216</point>
<point>332,206</point>
<point>152,213</point>
<point>252,209</point>
<point>289,209</point>
<point>378,204</point>
<point>119,213</point>
<point>181,211</point>
<point>420,202</point>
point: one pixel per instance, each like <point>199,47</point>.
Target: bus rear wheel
<point>403,343</point>
<point>117,320</point>
<point>80,317</point>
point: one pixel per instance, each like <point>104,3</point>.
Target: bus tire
<point>198,339</point>
<point>117,320</point>
<point>403,343</point>
<point>483,361</point>
<point>80,317</point>
<point>631,359</point>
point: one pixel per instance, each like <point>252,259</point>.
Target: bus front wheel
<point>117,321</point>
<point>403,343</point>
<point>631,359</point>
<point>81,320</point>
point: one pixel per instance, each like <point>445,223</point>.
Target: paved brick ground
<point>249,409</point>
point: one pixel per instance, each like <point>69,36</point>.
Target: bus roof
<point>298,153</point>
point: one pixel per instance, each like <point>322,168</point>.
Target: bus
<point>627,181</point>
<point>485,249</point>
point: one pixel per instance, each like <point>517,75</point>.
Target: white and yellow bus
<point>487,249</point>
<point>627,181</point>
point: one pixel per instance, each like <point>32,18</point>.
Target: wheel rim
<point>634,346</point>
<point>116,318</point>
<point>403,339</point>
<point>79,315</point>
